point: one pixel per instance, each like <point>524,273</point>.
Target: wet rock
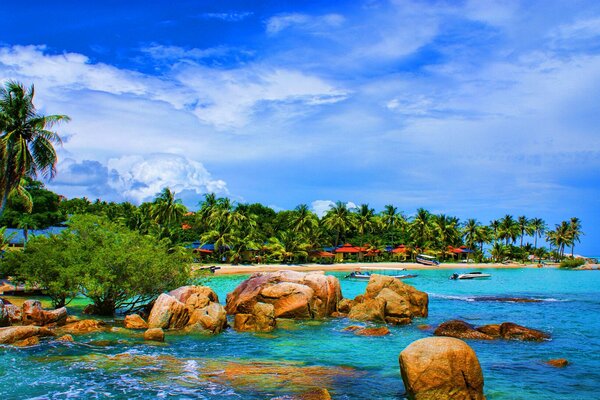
<point>14,334</point>
<point>352,328</point>
<point>84,326</point>
<point>416,301</point>
<point>262,319</point>
<point>195,296</point>
<point>398,321</point>
<point>292,294</point>
<point>337,314</point>
<point>492,330</point>
<point>155,335</point>
<point>460,329</point>
<point>369,310</point>
<point>424,327</point>
<point>33,314</point>
<point>134,321</point>
<point>14,313</point>
<point>511,331</point>
<point>168,312</point>
<point>344,305</point>
<point>380,331</point>
<point>558,362</point>
<point>4,318</point>
<point>441,368</point>
<point>314,394</point>
<point>65,338</point>
<point>211,318</point>
<point>30,341</point>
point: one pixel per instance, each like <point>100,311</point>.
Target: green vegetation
<point>572,263</point>
<point>115,267</point>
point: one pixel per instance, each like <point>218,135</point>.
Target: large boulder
<point>194,308</point>
<point>168,312</point>
<point>390,300</point>
<point>14,313</point>
<point>511,331</point>
<point>84,326</point>
<point>154,335</point>
<point>441,368</point>
<point>262,319</point>
<point>292,294</point>
<point>14,334</point>
<point>461,330</point>
<point>32,313</point>
<point>134,321</point>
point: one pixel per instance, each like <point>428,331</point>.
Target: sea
<point>303,357</point>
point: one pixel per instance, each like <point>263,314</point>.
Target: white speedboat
<point>427,260</point>
<point>367,275</point>
<point>470,275</point>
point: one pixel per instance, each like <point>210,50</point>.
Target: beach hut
<point>322,257</point>
<point>347,248</point>
<point>400,251</point>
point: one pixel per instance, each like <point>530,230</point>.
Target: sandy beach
<point>247,269</point>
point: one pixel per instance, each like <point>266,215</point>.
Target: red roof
<point>200,250</point>
<point>400,249</point>
<point>348,248</point>
<point>324,254</point>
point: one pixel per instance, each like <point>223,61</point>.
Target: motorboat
<point>427,260</point>
<point>470,275</point>
<point>367,275</point>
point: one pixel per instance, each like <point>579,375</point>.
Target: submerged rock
<point>441,368</point>
<point>508,330</point>
<point>30,341</point>
<point>558,362</point>
<point>14,334</point>
<point>65,338</point>
<point>292,294</point>
<point>134,321</point>
<point>380,331</point>
<point>155,335</point>
<point>461,330</point>
<point>84,326</point>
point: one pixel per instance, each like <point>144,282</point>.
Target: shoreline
<point>227,269</point>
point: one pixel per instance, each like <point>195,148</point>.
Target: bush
<point>572,263</point>
<point>115,267</point>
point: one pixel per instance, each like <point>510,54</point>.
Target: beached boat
<point>427,260</point>
<point>470,275</point>
<point>367,275</point>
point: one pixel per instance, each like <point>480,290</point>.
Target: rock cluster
<point>507,330</point>
<point>193,308</point>
<point>387,299</point>
<point>288,294</point>
<point>441,368</point>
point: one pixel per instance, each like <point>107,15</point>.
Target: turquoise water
<point>354,367</point>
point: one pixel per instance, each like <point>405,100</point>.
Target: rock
<point>262,319</point>
<point>508,330</point>
<point>30,341</point>
<point>14,334</point>
<point>315,394</point>
<point>424,327</point>
<point>344,305</point>
<point>558,362</point>
<point>507,299</point>
<point>65,338</point>
<point>460,329</point>
<point>414,300</point>
<point>168,312</point>
<point>14,313</point>
<point>352,328</point>
<point>154,334</point>
<point>337,314</point>
<point>492,330</point>
<point>211,318</point>
<point>293,294</point>
<point>134,321</point>
<point>84,326</point>
<point>4,317</point>
<point>34,314</point>
<point>381,331</point>
<point>441,368</point>
<point>193,295</point>
<point>369,310</point>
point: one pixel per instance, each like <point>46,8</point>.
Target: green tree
<point>575,232</point>
<point>26,140</point>
<point>524,228</point>
<point>420,229</point>
<point>339,220</point>
<point>538,228</point>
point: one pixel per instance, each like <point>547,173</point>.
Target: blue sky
<point>470,108</point>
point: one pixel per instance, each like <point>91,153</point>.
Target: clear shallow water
<point>310,353</point>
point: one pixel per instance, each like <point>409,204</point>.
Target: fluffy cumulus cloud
<point>320,207</point>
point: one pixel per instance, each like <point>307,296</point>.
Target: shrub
<point>572,263</point>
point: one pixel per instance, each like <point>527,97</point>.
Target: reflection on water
<point>308,355</point>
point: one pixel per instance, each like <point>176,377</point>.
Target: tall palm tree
<point>420,228</point>
<point>364,220</point>
<point>575,232</point>
<point>26,141</point>
<point>166,210</point>
<point>303,220</point>
<point>469,232</point>
<point>338,219</point>
<point>495,226</point>
<point>508,229</point>
<point>538,227</point>
<point>524,227</point>
<point>392,219</point>
<point>446,230</point>
<point>560,237</point>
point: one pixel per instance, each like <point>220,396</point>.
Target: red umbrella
<point>400,249</point>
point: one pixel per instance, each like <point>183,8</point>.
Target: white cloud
<point>314,24</point>
<point>320,207</point>
<point>227,16</point>
<point>141,178</point>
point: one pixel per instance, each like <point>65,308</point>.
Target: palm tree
<point>339,220</point>
<point>392,219</point>
<point>446,229</point>
<point>575,232</point>
<point>364,220</point>
<point>508,229</point>
<point>420,228</point>
<point>26,141</point>
<point>524,227</point>
<point>560,237</point>
<point>538,227</point>
<point>303,220</point>
<point>499,252</point>
<point>469,232</point>
<point>166,210</point>
<point>495,226</point>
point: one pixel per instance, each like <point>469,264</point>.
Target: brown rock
<point>416,301</point>
<point>168,312</point>
<point>262,319</point>
<point>424,327</point>
<point>315,394</point>
<point>84,326</point>
<point>154,334</point>
<point>492,330</point>
<point>369,310</point>
<point>291,300</point>
<point>196,293</point>
<point>460,329</point>
<point>4,318</point>
<point>14,334</point>
<point>65,338</point>
<point>34,314</point>
<point>30,341</point>
<point>336,314</point>
<point>344,305</point>
<point>134,321</point>
<point>398,321</point>
<point>352,328</point>
<point>558,362</point>
<point>508,330</point>
<point>395,304</point>
<point>14,313</point>
<point>441,368</point>
<point>211,318</point>
<point>381,331</point>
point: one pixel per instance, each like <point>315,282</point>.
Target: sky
<point>468,108</point>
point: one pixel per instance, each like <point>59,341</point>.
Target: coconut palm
<point>575,232</point>
<point>495,226</point>
<point>524,227</point>
<point>303,220</point>
<point>167,211</point>
<point>508,229</point>
<point>538,227</point>
<point>26,141</point>
<point>420,228</point>
<point>499,252</point>
<point>364,220</point>
<point>560,237</point>
<point>338,219</point>
<point>446,230</point>
<point>392,220</point>
<point>469,232</point>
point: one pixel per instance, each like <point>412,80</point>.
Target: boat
<point>427,260</point>
<point>367,275</point>
<point>470,275</point>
